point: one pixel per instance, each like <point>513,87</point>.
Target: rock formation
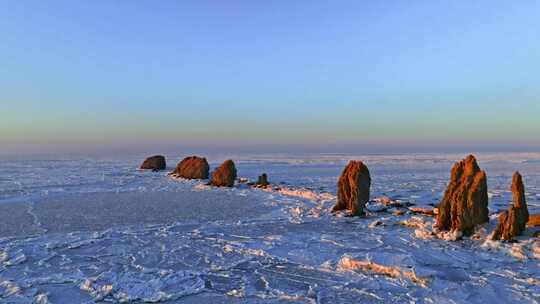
<point>224,175</point>
<point>353,188</point>
<point>192,167</point>
<point>465,200</point>
<point>512,222</point>
<point>262,181</point>
<point>156,162</point>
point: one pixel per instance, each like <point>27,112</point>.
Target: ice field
<point>98,230</point>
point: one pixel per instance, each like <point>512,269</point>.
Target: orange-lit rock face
<point>534,220</point>
<point>512,222</point>
<point>353,188</point>
<point>465,200</point>
<point>224,175</point>
<point>193,167</point>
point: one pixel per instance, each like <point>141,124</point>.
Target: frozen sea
<point>97,230</point>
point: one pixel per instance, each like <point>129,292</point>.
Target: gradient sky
<point>326,75</point>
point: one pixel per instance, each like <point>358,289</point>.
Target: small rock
<point>375,224</point>
<point>244,180</point>
<point>389,202</point>
<point>385,200</point>
<point>156,162</point>
<point>262,181</point>
<point>424,211</point>
<point>375,207</point>
<point>398,212</point>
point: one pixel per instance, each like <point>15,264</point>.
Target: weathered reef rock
<point>534,220</point>
<point>192,167</point>
<point>262,181</point>
<point>512,222</point>
<point>224,175</point>
<point>465,200</point>
<point>353,188</point>
<point>424,211</point>
<point>156,162</point>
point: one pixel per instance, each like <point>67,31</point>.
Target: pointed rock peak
<point>513,222</point>
<point>471,164</point>
<point>465,200</point>
<point>466,166</point>
<point>518,191</point>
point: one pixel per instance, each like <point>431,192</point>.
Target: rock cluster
<point>224,175</point>
<point>192,167</point>
<point>512,222</point>
<point>353,188</point>
<point>156,162</point>
<point>465,200</point>
<point>463,206</point>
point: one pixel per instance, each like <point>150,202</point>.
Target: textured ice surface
<point>94,230</point>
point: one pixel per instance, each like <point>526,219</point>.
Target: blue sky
<point>262,75</point>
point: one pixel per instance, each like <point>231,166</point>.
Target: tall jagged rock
<point>156,162</point>
<point>465,200</point>
<point>512,222</point>
<point>192,167</point>
<point>224,175</point>
<point>353,188</point>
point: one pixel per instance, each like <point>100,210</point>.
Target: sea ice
<point>100,230</point>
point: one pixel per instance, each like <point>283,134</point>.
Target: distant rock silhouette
<point>512,222</point>
<point>465,200</point>
<point>192,167</point>
<point>262,181</point>
<point>353,188</point>
<point>156,162</point>
<point>224,175</point>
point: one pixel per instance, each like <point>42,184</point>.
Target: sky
<point>374,76</point>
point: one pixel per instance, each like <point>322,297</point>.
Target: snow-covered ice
<point>99,230</point>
